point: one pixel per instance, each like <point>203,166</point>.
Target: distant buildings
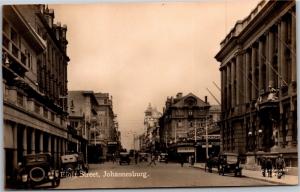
<point>258,75</point>
<point>183,126</point>
<point>150,138</point>
<point>83,119</point>
<point>34,66</point>
<point>109,127</point>
<point>91,115</point>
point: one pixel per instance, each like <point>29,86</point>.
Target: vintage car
<point>35,170</point>
<point>124,158</point>
<point>73,164</point>
<point>230,163</point>
<point>163,157</point>
<point>143,157</point>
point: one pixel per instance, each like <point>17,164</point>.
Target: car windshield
<point>36,159</point>
<point>231,159</point>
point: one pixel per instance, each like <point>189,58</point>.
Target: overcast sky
<point>142,53</point>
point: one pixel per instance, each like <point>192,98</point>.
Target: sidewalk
<point>285,180</point>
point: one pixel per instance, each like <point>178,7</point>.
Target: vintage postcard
<point>110,95</point>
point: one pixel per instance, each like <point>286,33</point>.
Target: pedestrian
<point>181,160</point>
<point>152,159</point>
<point>280,165</point>
<point>263,166</point>
<point>269,167</point>
<point>136,156</point>
<point>192,160</point>
<point>113,158</point>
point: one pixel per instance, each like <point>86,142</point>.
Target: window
<point>5,42</point>
<point>36,108</point>
<point>52,116</point>
<point>14,36</point>
<point>5,27</point>
<point>23,58</point>
<point>29,60</point>
<point>20,100</point>
<point>45,113</point>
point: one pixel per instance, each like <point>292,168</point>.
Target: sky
<point>142,52</point>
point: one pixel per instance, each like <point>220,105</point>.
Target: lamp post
<point>259,139</point>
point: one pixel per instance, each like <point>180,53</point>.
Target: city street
<point>161,175</point>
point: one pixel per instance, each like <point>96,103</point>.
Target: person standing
<point>269,167</point>
<point>263,166</point>
<point>152,159</point>
<point>192,160</point>
<point>280,164</point>
<point>136,156</point>
<point>181,160</point>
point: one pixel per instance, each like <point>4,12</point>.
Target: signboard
<point>185,150</point>
<point>112,143</point>
<point>204,146</point>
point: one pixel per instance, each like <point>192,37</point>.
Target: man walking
<point>152,159</point>
<point>280,164</point>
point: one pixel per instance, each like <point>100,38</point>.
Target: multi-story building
<point>151,129</point>
<point>83,118</point>
<point>34,66</point>
<point>258,75</point>
<point>108,125</point>
<point>183,126</point>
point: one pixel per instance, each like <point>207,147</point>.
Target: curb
<point>255,178</point>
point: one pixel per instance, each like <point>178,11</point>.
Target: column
<point>233,86</point>
<point>293,47</point>
<point>239,79</point>
<point>254,83</point>
<point>246,76</point>
<point>260,64</point>
<point>49,143</point>
<point>270,59</point>
<point>289,135</point>
<point>224,89</point>
<point>41,142</point>
<point>33,141</point>
<point>15,144</point>
<point>55,151</point>
<point>25,141</point>
<point>282,45</point>
<point>228,86</point>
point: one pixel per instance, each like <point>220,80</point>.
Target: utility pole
<point>195,142</point>
<point>213,96</point>
<point>206,137</point>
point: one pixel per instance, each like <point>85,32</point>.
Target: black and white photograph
<point>155,94</point>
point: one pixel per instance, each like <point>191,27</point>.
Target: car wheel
<point>55,183</point>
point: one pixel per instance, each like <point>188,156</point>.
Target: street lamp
<point>259,139</point>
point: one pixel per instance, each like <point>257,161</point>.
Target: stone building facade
<point>110,135</point>
<point>34,66</point>
<point>258,83</point>
<point>182,116</point>
<point>83,117</point>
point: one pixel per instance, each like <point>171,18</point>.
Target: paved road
<point>110,175</point>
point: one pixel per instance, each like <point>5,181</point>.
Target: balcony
<point>268,100</point>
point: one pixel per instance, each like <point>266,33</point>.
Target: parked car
<point>230,163</point>
<point>124,158</point>
<point>36,170</point>
<point>163,157</point>
<point>143,157</point>
<point>73,164</point>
